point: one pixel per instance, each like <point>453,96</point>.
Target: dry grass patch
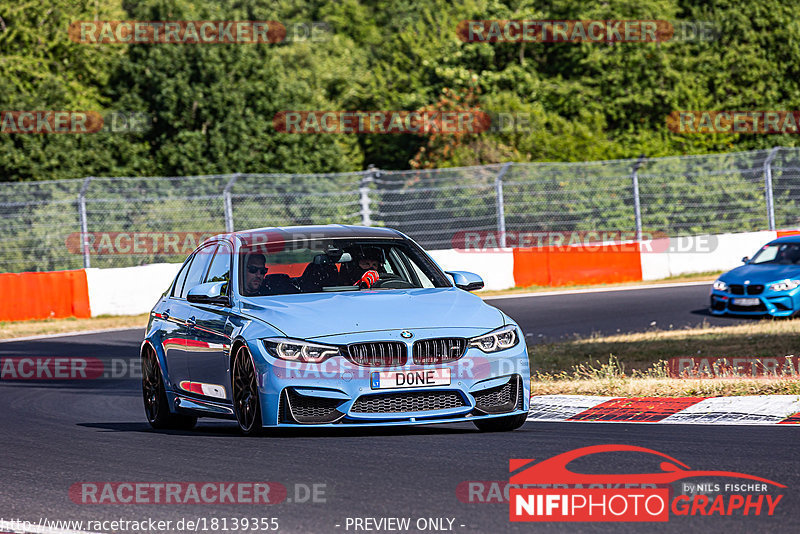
<point>636,364</point>
<point>639,351</point>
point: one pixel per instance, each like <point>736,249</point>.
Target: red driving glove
<point>368,279</point>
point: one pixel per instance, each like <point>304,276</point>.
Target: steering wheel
<point>391,281</point>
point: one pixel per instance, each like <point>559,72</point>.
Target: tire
<point>501,424</point>
<point>244,388</point>
<point>156,407</point>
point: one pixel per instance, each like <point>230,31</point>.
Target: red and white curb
<point>744,410</point>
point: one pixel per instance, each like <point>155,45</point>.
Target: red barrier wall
<point>43,295</point>
<point>784,233</point>
<point>561,266</point>
<point>292,269</point>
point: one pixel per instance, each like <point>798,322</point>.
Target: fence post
<point>499,199</point>
<point>768,186</point>
<point>226,196</point>
<point>637,208</point>
<point>84,225</point>
<point>363,190</point>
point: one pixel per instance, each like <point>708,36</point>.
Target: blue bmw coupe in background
<point>329,326</point>
<point>767,284</point>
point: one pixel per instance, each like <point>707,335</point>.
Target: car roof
<point>290,233</point>
<point>795,239</point>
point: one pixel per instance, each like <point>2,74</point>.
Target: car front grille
<point>440,350</point>
<point>378,354</point>
<point>413,401</point>
<point>500,399</point>
<point>308,409</point>
<point>755,289</point>
<point>737,289</point>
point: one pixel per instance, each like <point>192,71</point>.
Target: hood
<point>761,273</point>
<point>313,315</point>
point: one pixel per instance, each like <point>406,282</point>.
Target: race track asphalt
<point>549,317</point>
<point>59,433</point>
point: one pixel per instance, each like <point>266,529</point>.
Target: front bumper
<point>337,392</point>
<point>770,303</point>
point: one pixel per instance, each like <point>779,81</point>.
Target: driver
<point>366,271</point>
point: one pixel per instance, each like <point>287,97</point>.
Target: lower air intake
<point>308,409</point>
<point>419,401</point>
<point>500,399</point>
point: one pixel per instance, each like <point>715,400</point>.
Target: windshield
<point>781,253</point>
<point>334,265</point>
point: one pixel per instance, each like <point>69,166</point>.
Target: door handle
<point>191,322</point>
<point>165,314</point>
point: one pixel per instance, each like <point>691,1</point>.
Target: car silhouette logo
<point>554,470</point>
<point>406,334</point>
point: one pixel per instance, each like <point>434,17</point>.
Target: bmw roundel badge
<point>406,334</point>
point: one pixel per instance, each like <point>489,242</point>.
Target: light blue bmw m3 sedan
<point>329,326</point>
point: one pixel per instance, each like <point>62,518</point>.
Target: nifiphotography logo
<point>549,491</point>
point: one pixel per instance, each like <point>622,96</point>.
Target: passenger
<point>254,273</point>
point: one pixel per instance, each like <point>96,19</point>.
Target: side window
<point>197,271</point>
<point>176,289</point>
<point>398,268</point>
<point>220,270</point>
<point>423,279</point>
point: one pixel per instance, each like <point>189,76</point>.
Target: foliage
<point>212,105</point>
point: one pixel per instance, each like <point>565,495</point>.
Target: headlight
<point>719,285</point>
<point>500,339</point>
<point>299,350</point>
<point>786,285</point>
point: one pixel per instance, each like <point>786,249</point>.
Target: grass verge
<point>695,277</point>
<point>636,364</point>
<point>15,329</point>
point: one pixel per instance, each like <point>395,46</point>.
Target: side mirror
<point>209,293</point>
<point>466,280</point>
<point>745,260</point>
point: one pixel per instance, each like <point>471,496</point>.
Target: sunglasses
<point>252,269</point>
